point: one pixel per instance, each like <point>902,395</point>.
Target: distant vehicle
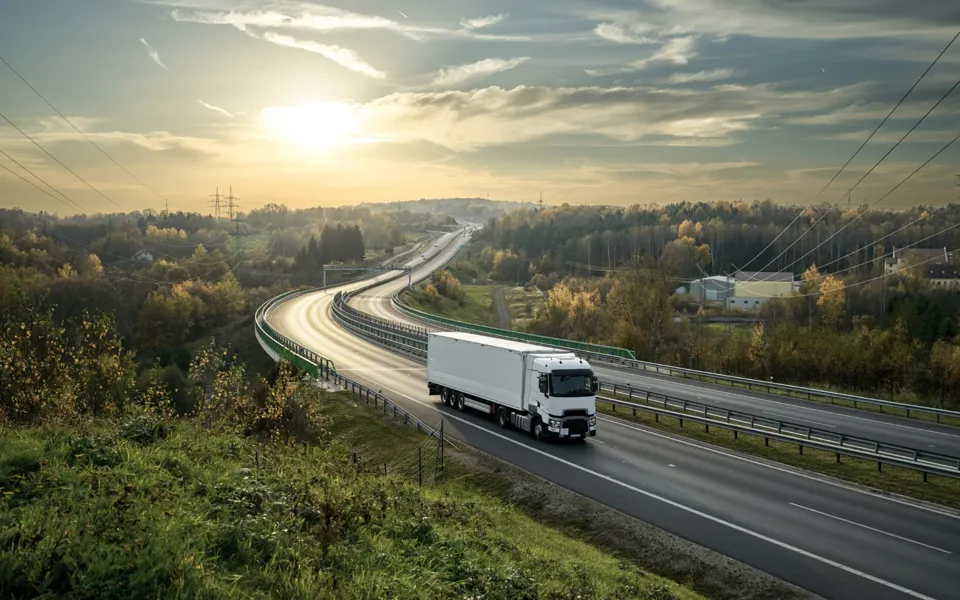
<point>546,391</point>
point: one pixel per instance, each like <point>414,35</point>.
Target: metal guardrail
<point>599,349</point>
<point>792,391</point>
<point>412,340</point>
<point>880,452</point>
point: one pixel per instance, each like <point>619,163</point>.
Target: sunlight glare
<point>317,126</point>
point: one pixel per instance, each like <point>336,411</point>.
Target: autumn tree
<point>832,302</point>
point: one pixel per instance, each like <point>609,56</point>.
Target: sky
<point>611,102</point>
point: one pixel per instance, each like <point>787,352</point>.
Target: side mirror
<point>543,384</point>
<point>595,385</point>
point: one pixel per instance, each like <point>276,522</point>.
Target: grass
<point>941,490</point>
<point>144,507</point>
<point>476,305</point>
<point>580,529</point>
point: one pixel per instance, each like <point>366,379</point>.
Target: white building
<point>143,255</point>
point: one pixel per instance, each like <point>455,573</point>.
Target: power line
<point>12,172</point>
<point>35,143</point>
<point>893,189</point>
<point>849,160</point>
<point>915,83</point>
<point>865,175</point>
<point>74,203</point>
<point>94,144</point>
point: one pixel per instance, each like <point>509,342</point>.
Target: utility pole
<point>215,203</point>
<point>541,200</point>
<point>232,211</point>
<point>166,208</point>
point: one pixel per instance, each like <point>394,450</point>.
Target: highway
<point>834,540</point>
<point>836,419</point>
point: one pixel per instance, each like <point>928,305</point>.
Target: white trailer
<point>546,391</point>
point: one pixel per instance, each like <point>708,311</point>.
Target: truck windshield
<point>571,383</point>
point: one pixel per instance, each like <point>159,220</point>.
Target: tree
<point>832,302</point>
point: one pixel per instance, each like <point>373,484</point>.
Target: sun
<point>316,127</point>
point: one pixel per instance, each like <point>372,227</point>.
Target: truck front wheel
<point>538,430</point>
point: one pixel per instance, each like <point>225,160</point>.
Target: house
<point>753,288</point>
<point>943,276</point>
<point>712,289</point>
<point>143,255</point>
<point>929,256</point>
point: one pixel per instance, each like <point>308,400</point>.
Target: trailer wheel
<point>445,396</point>
<point>503,417</point>
<point>458,399</point>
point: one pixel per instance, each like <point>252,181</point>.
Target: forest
<point>849,327</point>
<point>159,285</point>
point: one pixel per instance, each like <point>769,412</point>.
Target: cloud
<point>627,34</point>
<point>813,19</point>
<point>344,57</point>
<point>453,75</point>
<point>481,22</point>
<point>890,137</point>
<point>214,108</point>
<point>465,121</point>
<point>874,111</point>
<point>676,51</point>
<point>153,53</point>
<point>307,16</point>
<point>52,131</point>
<point>713,75</point>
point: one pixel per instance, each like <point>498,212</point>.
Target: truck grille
<point>576,427</point>
<point>577,412</point>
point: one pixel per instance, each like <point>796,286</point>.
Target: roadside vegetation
<point>116,486</point>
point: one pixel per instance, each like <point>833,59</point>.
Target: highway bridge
<point>837,540</point>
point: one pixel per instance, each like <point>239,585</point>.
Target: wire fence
<point>421,465</point>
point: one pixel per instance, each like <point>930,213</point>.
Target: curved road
<point>837,419</point>
<point>834,540</point>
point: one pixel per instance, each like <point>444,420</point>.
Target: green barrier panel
<point>525,337</point>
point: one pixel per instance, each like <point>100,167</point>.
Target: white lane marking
<point>843,486</point>
<point>893,535</point>
<point>767,412</point>
<point>680,506</point>
<point>795,406</point>
<point>672,465</point>
<point>599,442</point>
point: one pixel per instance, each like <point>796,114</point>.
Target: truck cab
<point>566,396</point>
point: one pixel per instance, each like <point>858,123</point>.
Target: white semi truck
<point>548,392</point>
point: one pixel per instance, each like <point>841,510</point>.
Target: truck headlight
<point>592,420</point>
<point>554,423</point>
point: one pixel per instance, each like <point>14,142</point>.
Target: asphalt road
<point>836,419</point>
<point>834,540</point>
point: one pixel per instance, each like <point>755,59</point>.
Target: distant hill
<point>470,208</point>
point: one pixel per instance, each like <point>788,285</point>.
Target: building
<point>143,255</point>
<point>943,276</point>
<point>753,288</point>
<point>712,289</point>
<point>929,256</point>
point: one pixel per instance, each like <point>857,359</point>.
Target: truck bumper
<point>565,433</point>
